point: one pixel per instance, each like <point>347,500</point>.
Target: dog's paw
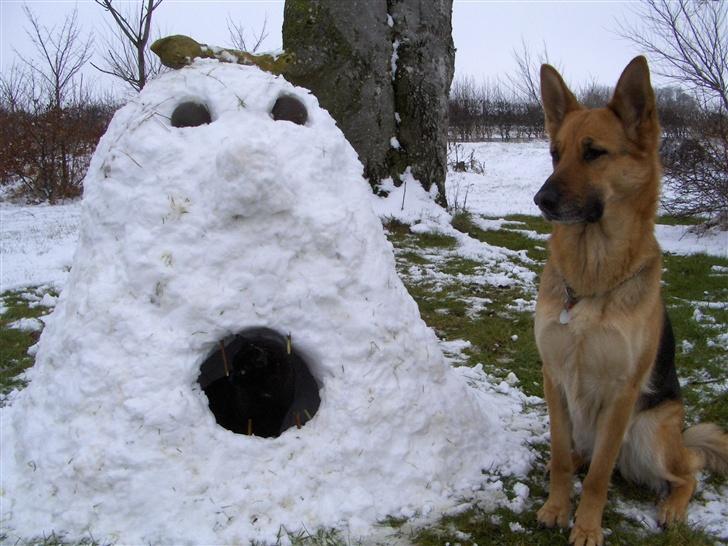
<point>671,511</point>
<point>586,535</point>
<point>554,513</point>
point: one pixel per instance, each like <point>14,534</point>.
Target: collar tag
<point>570,300</point>
<point>565,316</point>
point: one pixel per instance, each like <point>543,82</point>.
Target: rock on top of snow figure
<point>229,243</point>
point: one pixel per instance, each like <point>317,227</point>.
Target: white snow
<point>27,325</point>
<point>678,240</point>
<point>410,204</point>
<point>37,244</point>
<point>513,175</point>
<point>188,236</point>
<point>515,172</point>
<point>395,57</point>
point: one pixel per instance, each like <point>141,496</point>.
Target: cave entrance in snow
<point>257,384</point>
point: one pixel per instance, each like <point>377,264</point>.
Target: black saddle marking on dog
<point>664,384</point>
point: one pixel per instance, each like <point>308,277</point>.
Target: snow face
<point>189,235</point>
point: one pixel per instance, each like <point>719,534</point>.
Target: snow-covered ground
<point>38,245</point>
<point>513,174</point>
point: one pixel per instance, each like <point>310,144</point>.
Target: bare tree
<point>688,43</point>
<point>239,39</point>
<point>62,54</point>
<point>525,81</point>
<point>46,128</point>
<point>594,95</point>
<point>127,55</point>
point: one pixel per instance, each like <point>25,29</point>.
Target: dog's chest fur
<point>591,358</point>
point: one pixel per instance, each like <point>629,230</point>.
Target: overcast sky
<point>578,35</point>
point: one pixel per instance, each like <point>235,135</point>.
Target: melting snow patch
<point>516,527</point>
<point>520,305</point>
<point>27,325</point>
<point>711,513</point>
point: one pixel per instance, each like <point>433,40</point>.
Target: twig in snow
<point>224,359</point>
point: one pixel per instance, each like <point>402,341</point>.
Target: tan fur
<point>711,444</point>
<point>596,367</point>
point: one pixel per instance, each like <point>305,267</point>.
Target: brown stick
<point>224,359</point>
<point>298,420</point>
<point>250,427</point>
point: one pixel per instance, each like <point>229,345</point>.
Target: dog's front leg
<point>611,426</point>
<point>561,469</point>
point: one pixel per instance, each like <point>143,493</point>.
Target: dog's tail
<point>710,443</point>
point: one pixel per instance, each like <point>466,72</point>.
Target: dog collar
<point>570,300</point>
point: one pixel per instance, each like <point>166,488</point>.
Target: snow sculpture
<point>193,236</point>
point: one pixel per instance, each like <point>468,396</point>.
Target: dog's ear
<point>557,99</point>
<point>634,102</point>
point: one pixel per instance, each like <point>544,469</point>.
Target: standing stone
<point>425,66</point>
<point>342,52</point>
<point>383,69</point>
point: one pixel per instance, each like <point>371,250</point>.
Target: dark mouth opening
<point>258,384</point>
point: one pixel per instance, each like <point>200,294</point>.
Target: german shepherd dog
<point>602,332</point>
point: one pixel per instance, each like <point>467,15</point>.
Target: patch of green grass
<point>507,238</point>
<point>670,220</point>
<point>687,280</point>
<point>52,540</point>
<point>436,240</point>
<point>535,223</point>
<point>413,258</point>
<point>461,266</point>
<point>692,277</point>
<point>396,228</point>
<point>14,343</point>
<point>505,528</point>
<point>462,221</point>
<point>401,236</point>
<point>322,537</point>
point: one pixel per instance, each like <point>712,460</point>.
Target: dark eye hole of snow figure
<point>190,114</point>
<point>289,108</point>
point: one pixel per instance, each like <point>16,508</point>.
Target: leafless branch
<point>687,42</point>
<point>127,56</point>
<point>62,52</point>
<point>238,40</point>
<point>525,81</point>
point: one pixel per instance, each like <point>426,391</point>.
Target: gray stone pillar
<point>383,69</point>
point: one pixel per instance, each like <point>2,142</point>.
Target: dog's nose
<point>547,198</point>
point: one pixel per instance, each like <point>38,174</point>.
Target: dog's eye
<point>591,153</point>
<point>555,155</point>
